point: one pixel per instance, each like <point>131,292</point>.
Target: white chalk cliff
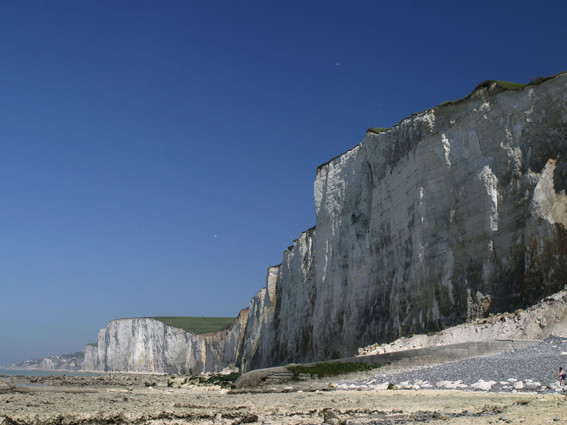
<point>148,345</point>
<point>455,213</point>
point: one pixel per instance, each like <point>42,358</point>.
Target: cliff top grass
<point>197,325</point>
<point>78,354</point>
<point>376,130</point>
<point>504,84</point>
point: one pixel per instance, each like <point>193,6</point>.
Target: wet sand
<point>145,399</point>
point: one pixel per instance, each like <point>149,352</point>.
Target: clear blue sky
<point>157,156</point>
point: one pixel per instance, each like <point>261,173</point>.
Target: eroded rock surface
<point>457,212</point>
<point>544,319</point>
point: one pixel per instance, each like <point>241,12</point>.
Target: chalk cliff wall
<point>546,318</point>
<point>148,345</point>
<point>454,213</point>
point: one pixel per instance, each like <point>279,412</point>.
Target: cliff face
<point>546,318</point>
<point>66,362</point>
<point>148,345</point>
<point>456,212</point>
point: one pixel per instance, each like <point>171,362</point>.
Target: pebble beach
<point>530,369</point>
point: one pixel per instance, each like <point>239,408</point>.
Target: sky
<point>156,157</point>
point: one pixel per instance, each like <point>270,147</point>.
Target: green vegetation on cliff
<point>225,381</point>
<point>78,354</point>
<point>504,84</point>
<point>376,130</point>
<point>320,370</point>
<point>198,325</point>
<point>510,85</point>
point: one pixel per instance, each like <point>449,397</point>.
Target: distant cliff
<point>149,345</point>
<point>455,213</point>
<point>66,362</point>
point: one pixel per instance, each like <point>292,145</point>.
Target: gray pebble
<point>536,364</point>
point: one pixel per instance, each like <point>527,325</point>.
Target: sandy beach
<point>146,399</point>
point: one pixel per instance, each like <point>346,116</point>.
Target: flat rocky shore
<point>415,397</point>
<point>117,404</point>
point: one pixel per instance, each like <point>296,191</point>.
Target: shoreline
<point>47,372</point>
<point>134,400</point>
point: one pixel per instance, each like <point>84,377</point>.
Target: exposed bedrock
<point>455,213</point>
<point>148,345</point>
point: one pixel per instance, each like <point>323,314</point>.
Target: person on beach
<point>561,376</point>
